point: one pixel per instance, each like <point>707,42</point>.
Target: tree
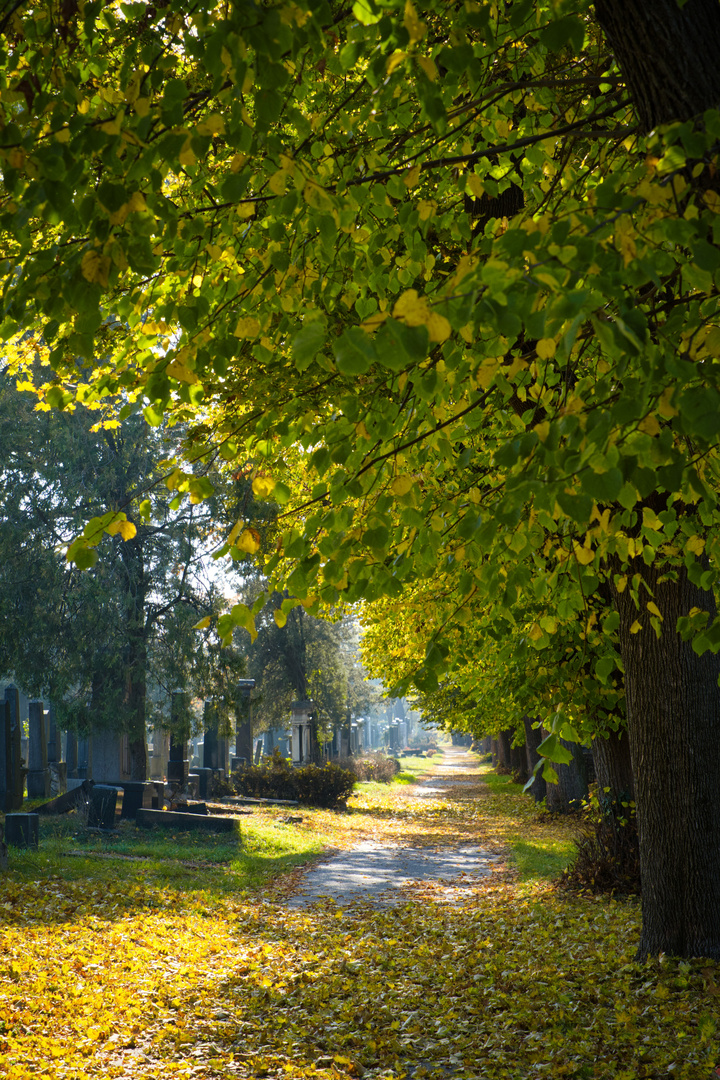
<point>442,253</point>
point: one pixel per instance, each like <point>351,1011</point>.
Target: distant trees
<point>94,640</point>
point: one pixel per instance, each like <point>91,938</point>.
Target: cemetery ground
<point>147,956</point>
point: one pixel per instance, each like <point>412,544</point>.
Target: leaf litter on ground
<point>207,974</point>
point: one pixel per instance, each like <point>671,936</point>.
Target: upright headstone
<point>210,742</point>
<point>38,778</point>
<point>243,720</point>
<point>305,746</point>
<point>160,753</point>
<point>17,772</point>
<point>5,758</point>
<point>110,757</point>
<point>71,755</point>
<point>178,763</point>
<point>53,736</point>
<point>85,762</point>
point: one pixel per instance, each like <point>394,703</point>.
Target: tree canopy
<point>442,281</point>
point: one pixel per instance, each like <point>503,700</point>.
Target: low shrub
<point>608,851</point>
<point>372,766</point>
<point>327,785</point>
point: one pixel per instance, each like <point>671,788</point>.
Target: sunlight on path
<point>382,874</point>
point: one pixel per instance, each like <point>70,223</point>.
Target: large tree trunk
<point>533,738</point>
<point>518,760</point>
<point>668,54</point>
<point>613,767</point>
<point>673,705</point>
<point>572,786</point>
<point>504,749</point>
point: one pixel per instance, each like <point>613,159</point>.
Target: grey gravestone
<point>136,794</point>
<point>178,762</point>
<point>53,736</point>
<point>243,719</point>
<point>21,830</point>
<point>17,772</point>
<point>5,758</point>
<point>84,767</point>
<point>38,778</point>
<point>102,806</point>
<point>211,759</point>
<point>258,751</point>
<point>204,782</point>
<point>72,799</point>
<point>175,819</point>
<point>71,756</point>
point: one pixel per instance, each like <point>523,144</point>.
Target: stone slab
<point>175,819</point>
<point>22,830</point>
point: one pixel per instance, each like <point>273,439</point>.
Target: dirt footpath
<point>385,874</point>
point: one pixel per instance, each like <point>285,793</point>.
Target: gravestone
<point>110,757</point>
<point>204,783</point>
<point>305,746</point>
<point>136,794</point>
<point>243,720</point>
<point>178,762</point>
<point>160,753</point>
<point>85,758</point>
<point>102,806</point>
<point>17,772</point>
<point>258,751</point>
<point>5,758</point>
<point>22,830</point>
<point>71,755</point>
<point>38,778</point>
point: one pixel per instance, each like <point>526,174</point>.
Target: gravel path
<point>389,874</point>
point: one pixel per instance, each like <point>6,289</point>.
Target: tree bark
<point>518,759</point>
<point>673,705</point>
<point>571,787</point>
<point>613,766</point>
<point>135,656</point>
<point>504,749</point>
<point>533,738</point>
<point>667,54</point>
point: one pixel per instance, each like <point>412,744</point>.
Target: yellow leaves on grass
<point>415,310</point>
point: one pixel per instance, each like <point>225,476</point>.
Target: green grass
<point>542,847</point>
<point>257,850</point>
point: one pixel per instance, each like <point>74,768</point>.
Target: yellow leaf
<point>621,583</point>
<point>412,176</point>
<point>316,196</point>
<point>112,127</point>
<point>249,540</point>
<point>276,183</point>
<point>136,203</point>
<point>177,370</point>
<point>280,618</point>
<point>429,67</point>
<point>211,125</point>
<point>262,486</point>
<point>414,310</point>
<point>63,135</point>
<point>542,430</point>
<point>545,348</point>
<point>624,239</point>
<point>95,267</point>
<point>649,425</point>
<point>654,609</point>
<point>584,555</point>
<point>414,26</point>
<point>186,155</point>
<point>247,327</point>
<point>636,627</point>
<point>535,632</point>
<point>474,185</point>
<point>394,61</point>
<point>695,545</point>
<point>142,106</point>
<point>126,529</point>
<point>203,624</point>
<point>402,484</point>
